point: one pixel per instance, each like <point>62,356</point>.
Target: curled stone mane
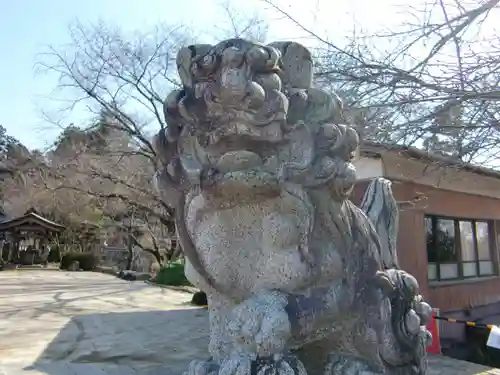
<point>259,175</point>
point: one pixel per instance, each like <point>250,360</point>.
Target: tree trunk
<point>177,251</point>
<point>156,254</point>
<point>130,249</point>
<point>158,257</point>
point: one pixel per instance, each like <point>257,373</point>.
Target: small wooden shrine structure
<point>26,237</point>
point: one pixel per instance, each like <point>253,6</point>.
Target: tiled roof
<point>30,217</point>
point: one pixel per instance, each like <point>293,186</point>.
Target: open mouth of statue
<point>233,152</point>
<point>240,160</point>
<point>240,133</point>
<point>244,109</point>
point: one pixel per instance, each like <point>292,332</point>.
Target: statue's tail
<point>381,208</point>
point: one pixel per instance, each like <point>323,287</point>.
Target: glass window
<point>486,267</point>
<point>458,249</point>
<point>432,271</point>
<point>483,240</point>
<point>467,246</point>
<point>469,269</point>
<point>448,271</point>
<point>431,249</point>
<point>444,234</point>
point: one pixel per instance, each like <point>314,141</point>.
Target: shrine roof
<point>30,218</point>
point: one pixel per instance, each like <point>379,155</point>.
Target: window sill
<point>472,280</point>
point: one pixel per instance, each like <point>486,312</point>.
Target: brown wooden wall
<point>412,251</point>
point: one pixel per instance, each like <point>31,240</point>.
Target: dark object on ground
<point>54,255</point>
<point>133,275</point>
<point>2,264</point>
<point>4,253</point>
<point>479,352</point>
<point>199,299</point>
<point>74,266</point>
<point>42,257</point>
<point>87,261</point>
<point>27,258</point>
<point>173,274</point>
<point>127,275</point>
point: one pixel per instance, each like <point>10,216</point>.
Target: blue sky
<point>28,27</point>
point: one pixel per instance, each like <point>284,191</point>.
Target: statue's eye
<point>207,63</point>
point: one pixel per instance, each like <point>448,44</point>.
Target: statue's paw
<point>236,365</point>
<point>241,364</point>
<point>198,367</point>
<point>392,281</point>
<point>422,309</point>
<point>408,304</point>
<point>260,325</point>
<point>415,320</point>
<point>348,365</point>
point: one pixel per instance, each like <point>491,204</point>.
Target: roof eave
<point>374,148</point>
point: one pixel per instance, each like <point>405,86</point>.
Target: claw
<point>384,283</point>
<point>424,311</point>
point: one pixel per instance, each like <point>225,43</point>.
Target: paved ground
<point>59,323</point>
<point>62,323</point>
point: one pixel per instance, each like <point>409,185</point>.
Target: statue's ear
<point>297,75</point>
<point>296,65</point>
<point>321,106</point>
<point>185,58</point>
<point>314,106</point>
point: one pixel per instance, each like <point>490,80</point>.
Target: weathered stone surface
<point>260,179</point>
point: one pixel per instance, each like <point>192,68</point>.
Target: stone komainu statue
<point>299,280</point>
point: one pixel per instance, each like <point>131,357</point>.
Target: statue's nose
<point>232,57</point>
<point>233,83</point>
<point>234,78</point>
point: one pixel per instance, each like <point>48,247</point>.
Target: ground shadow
<point>148,342</point>
<point>151,343</point>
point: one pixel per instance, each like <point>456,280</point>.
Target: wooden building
<point>27,236</point>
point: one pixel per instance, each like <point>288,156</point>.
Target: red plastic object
<point>433,327</point>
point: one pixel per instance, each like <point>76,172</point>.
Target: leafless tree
<point>124,80</point>
<point>434,84</point>
<point>242,25</point>
<point>101,164</point>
